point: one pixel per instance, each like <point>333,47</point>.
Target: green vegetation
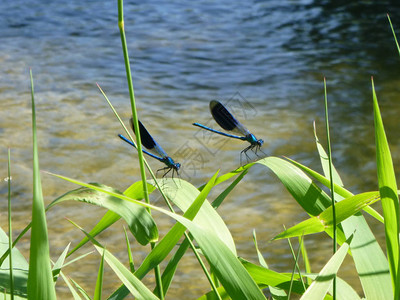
<point>338,213</point>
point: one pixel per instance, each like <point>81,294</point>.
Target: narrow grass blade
<point>128,249</point>
<point>390,199</point>
<point>306,260</point>
<point>99,282</point>
<point>11,266</point>
<point>276,292</point>
<point>40,281</point>
<point>394,34</point>
<point>172,265</point>
<point>81,290</point>
<point>374,275</point>
<point>135,286</point>
<point>321,284</point>
<point>221,197</point>
<point>74,293</point>
<point>140,222</point>
<point>60,263</point>
<point>345,209</point>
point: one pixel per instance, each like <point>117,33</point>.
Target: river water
<point>265,59</point>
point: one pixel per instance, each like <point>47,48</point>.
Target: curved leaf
<point>139,221</point>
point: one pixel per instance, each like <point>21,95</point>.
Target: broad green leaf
<point>182,195</point>
<point>40,280</point>
<point>135,191</point>
<point>339,190</point>
<point>140,222</point>
<point>20,272</point>
<point>343,289</point>
<point>321,284</point>
<point>164,247</point>
<point>389,197</point>
<point>232,275</point>
<point>375,275</point>
<point>304,191</point>
<point>135,286</point>
<point>344,209</point>
<point>169,271</point>
<point>266,277</point>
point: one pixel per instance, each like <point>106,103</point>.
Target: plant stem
<point>10,227</point>
<point>136,126</point>
<point>332,183</point>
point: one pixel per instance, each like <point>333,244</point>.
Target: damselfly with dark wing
<point>154,149</point>
<point>228,122</point>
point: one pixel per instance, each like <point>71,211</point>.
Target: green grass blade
<point>99,282</point>
<point>394,34</point>
<point>135,191</point>
<point>332,191</point>
<point>129,250</point>
<point>135,286</point>
<point>306,260</point>
<point>140,222</point>
<point>60,263</point>
<point>40,281</point>
<point>221,197</point>
<point>266,277</point>
<point>339,190</point>
<point>81,290</point>
<point>304,191</point>
<point>75,295</point>
<point>172,265</point>
<point>345,209</point>
<point>374,275</point>
<point>10,226</point>
<point>207,217</point>
<point>230,272</point>
<point>325,161</point>
<point>320,286</point>
<point>159,252</point>
<point>164,247</point>
<point>261,259</point>
<point>388,191</point>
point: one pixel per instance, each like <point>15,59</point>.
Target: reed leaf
<point>40,280</point>
<point>389,197</point>
<point>321,284</point>
<point>139,221</point>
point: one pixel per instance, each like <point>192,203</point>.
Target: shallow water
<point>267,60</point>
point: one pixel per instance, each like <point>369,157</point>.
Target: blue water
<point>270,56</point>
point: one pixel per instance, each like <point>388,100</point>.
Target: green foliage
<point>232,277</point>
<point>40,279</point>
